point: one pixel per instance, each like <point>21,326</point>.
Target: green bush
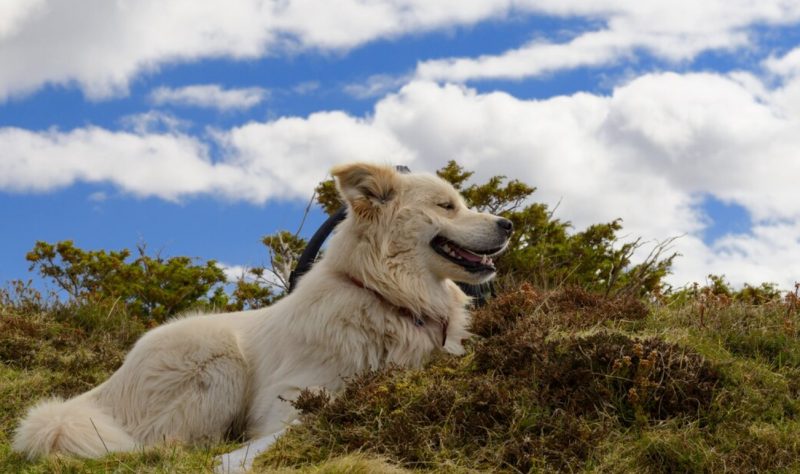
<point>152,288</point>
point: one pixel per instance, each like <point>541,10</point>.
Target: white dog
<point>382,294</point>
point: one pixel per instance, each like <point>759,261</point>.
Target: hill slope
<point>557,380</point>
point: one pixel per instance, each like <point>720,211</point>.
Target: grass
<point>557,380</point>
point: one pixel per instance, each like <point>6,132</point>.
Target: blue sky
<point>198,127</point>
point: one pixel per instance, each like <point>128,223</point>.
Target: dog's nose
<point>506,225</point>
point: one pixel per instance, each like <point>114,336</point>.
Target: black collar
<point>418,319</point>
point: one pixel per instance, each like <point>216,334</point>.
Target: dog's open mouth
<point>471,260</point>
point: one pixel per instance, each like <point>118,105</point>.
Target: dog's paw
<point>454,347</point>
<point>241,460</point>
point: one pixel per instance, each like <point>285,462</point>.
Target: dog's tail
<point>77,426</point>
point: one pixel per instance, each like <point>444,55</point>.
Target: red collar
<point>418,320</point>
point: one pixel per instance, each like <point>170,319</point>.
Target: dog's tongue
<point>467,255</point>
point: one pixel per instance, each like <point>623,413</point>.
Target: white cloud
<point>560,145</point>
<point>305,87</point>
<point>209,95</point>
<point>14,14</point>
<point>164,165</point>
<point>345,24</point>
<point>286,158</point>
<point>153,121</point>
<point>767,254</point>
<point>674,31</point>
<point>101,45</point>
<point>649,153</point>
<point>787,65</point>
<point>282,159</point>
<point>375,86</point>
<point>234,272</point>
<point>534,59</point>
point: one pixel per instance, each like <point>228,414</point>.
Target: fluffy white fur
<point>199,378</point>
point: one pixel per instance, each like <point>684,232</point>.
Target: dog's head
<point>419,222</point>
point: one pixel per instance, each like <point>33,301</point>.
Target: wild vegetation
<point>581,362</point>
<point>566,380</point>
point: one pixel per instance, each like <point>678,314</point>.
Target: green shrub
<point>152,288</point>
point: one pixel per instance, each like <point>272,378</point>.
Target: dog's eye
<point>447,205</point>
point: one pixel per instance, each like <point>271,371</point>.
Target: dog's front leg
<point>241,460</point>
<point>272,416</point>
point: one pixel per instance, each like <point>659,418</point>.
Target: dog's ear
<point>366,187</point>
